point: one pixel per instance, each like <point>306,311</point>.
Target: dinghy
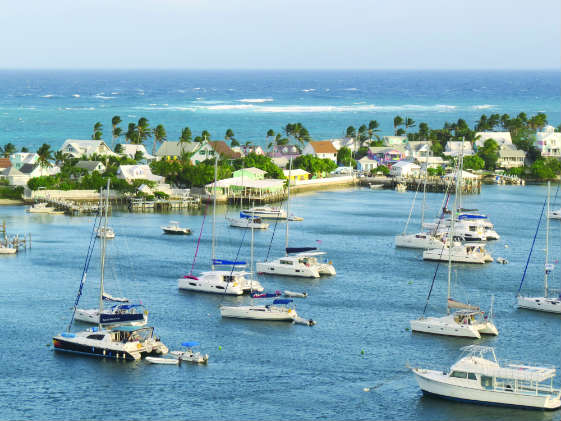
<point>159,360</point>
<point>295,294</point>
<point>189,355</point>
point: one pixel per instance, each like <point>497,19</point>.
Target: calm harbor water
<point>268,370</point>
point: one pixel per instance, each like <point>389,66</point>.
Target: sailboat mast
<point>424,194</point>
<point>103,247</point>
<point>452,227</point>
<point>214,207</point>
<point>251,252</point>
<point>546,242</point>
<point>288,206</point>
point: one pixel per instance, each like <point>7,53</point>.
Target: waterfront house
<point>346,142</point>
<point>245,150</point>
<point>280,162</point>
<point>222,149</point>
<point>366,164</point>
<point>130,150</point>
<point>15,177</point>
<point>138,172</point>
<point>5,163</point>
<point>247,188</point>
<point>510,157</point>
<point>548,142</point>
<point>296,174</point>
<point>454,148</point>
<point>430,161</point>
<point>321,149</point>
<point>418,149</point>
<point>20,158</point>
<point>405,169</point>
<point>502,138</point>
<point>394,140</point>
<point>250,173</point>
<point>387,156</point>
<point>196,151</point>
<point>284,151</point>
<point>79,148</point>
<point>91,166</point>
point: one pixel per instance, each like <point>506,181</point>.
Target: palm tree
<point>160,136</point>
<point>186,135</point>
<point>45,155</point>
<point>116,131</point>
<point>205,135</point>
<point>97,131</point>
<point>373,128</point>
<point>60,157</point>
<point>409,122</point>
<point>131,134</point>
<point>7,150</point>
<point>229,136</point>
<point>143,130</point>
<point>397,121</point>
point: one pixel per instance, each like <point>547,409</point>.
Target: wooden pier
<point>14,241</point>
<point>434,184</point>
<point>144,204</point>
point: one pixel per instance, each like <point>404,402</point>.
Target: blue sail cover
<point>126,306</point>
<point>290,250</point>
<point>268,295</point>
<point>227,262</point>
<point>282,301</point>
<point>469,216</point>
<point>190,344</point>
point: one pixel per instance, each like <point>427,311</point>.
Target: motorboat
<point>421,240</point>
<point>376,186</point>
<point>248,222</point>
<point>264,212</point>
<point>220,282</point>
<point>478,377</point>
<point>304,265</point>
<point>459,253</point>
<point>122,342</point>
<point>119,314</point>
<point>547,303</point>
<point>174,228</point>
<point>7,250</point>
<point>278,311</point>
<point>189,355</point>
<point>41,207</point>
<point>105,232</point>
<point>400,187</point>
<point>555,214</point>
<point>462,323</point>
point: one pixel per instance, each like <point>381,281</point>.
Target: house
<point>28,171</point>
<point>502,138</point>
<point>430,161</point>
<point>87,148</point>
<point>284,151</point>
<point>5,166</point>
<point>548,142</point>
<point>247,149</point>
<point>20,158</point>
<point>237,186</point>
<point>296,175</point>
<point>387,156</point>
<point>321,149</point>
<point>346,142</point>
<point>91,166</point>
<point>405,169</point>
<point>250,173</point>
<point>198,151</point>
<point>418,149</point>
<point>510,157</point>
<point>280,162</point>
<point>224,150</point>
<point>366,164</point>
<point>394,140</point>
<point>16,177</point>
<point>129,150</point>
<point>136,172</point>
<point>454,148</point>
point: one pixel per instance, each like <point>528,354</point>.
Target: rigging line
<point>412,206</point>
<point>272,238</point>
<point>198,241</point>
<point>89,253</point>
<point>531,249</point>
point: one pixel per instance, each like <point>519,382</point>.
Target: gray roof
<point>27,168</point>
<point>87,165</point>
<point>177,148</point>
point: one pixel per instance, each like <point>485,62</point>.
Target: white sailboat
<point>466,322</point>
<point>299,262</point>
<point>247,221</point>
<point>478,377</point>
<point>547,303</point>
<point>225,282</point>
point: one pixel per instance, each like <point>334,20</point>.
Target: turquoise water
<point>268,370</point>
<point>51,106</point>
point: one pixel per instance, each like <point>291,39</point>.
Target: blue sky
<point>369,34</point>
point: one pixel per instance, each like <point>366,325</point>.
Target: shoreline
<point>11,202</point>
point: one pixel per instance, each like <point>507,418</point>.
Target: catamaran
<point>547,303</point>
<point>478,377</point>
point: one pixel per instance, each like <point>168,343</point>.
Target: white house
<point>20,158</point>
<point>91,166</point>
<point>510,157</point>
<point>199,151</point>
<point>454,148</point>
<point>129,150</point>
<point>394,140</point>
<point>16,177</point>
<point>346,142</point>
<point>430,161</point>
<point>418,149</point>
<point>79,148</point>
<point>135,172</point>
<point>245,150</point>
<point>28,171</point>
<point>502,138</point>
<point>366,164</point>
<point>548,142</point>
<point>321,149</point>
<point>405,169</point>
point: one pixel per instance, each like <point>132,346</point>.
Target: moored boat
<point>174,228</point>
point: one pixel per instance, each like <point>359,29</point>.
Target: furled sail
<point>458,304</point>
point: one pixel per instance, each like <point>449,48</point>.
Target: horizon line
<point>290,69</point>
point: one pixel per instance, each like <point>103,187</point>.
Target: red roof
<point>323,146</point>
<point>5,163</point>
<point>223,149</point>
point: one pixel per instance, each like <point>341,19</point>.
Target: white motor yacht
<point>264,212</point>
<point>245,222</point>
<point>421,240</point>
<point>40,208</point>
<point>478,377</point>
<point>105,232</point>
<point>459,253</point>
<point>463,323</point>
<point>175,229</point>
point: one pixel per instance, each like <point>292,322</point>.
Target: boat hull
<point>437,326</point>
<point>8,250</point>
<point>412,241</point>
<point>549,305</point>
<point>270,268</point>
<point>197,286</point>
<point>92,316</point>
<point>432,383</point>
<point>442,256</point>
<point>102,352</point>
<point>258,313</point>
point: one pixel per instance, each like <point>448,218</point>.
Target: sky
<point>281,34</point>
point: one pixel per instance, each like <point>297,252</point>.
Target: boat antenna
<point>214,207</point>
<point>103,248</point>
<point>287,207</point>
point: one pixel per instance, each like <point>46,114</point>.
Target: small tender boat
<point>555,214</point>
<point>478,377</point>
<point>160,360</point>
<point>40,208</point>
<point>189,355</point>
<point>174,228</point>
<point>295,294</point>
<point>248,222</point>
<point>7,250</point>
<point>105,232</point>
<point>264,212</point>
<point>376,186</point>
<point>400,187</point>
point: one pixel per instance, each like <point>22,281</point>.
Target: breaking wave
<point>256,100</point>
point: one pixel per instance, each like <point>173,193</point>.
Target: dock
<point>434,184</point>
<point>17,241</point>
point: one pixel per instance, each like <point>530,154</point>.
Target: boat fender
<point>148,348</point>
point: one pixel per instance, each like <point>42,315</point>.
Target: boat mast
<point>451,239</point>
<point>252,222</point>
<point>546,242</point>
<point>287,207</point>
<point>214,206</point>
<point>424,194</point>
<point>103,248</point>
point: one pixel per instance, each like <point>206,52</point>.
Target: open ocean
<point>266,370</point>
<point>51,106</point>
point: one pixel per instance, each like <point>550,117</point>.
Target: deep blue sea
<point>261,370</point>
<point>51,106</point>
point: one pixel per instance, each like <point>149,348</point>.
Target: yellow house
<point>296,175</point>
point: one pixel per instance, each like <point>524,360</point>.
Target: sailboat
<point>545,303</point>
<point>299,261</point>
<point>420,240</point>
<point>466,321</point>
<point>225,282</point>
<point>246,220</point>
<point>120,342</point>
